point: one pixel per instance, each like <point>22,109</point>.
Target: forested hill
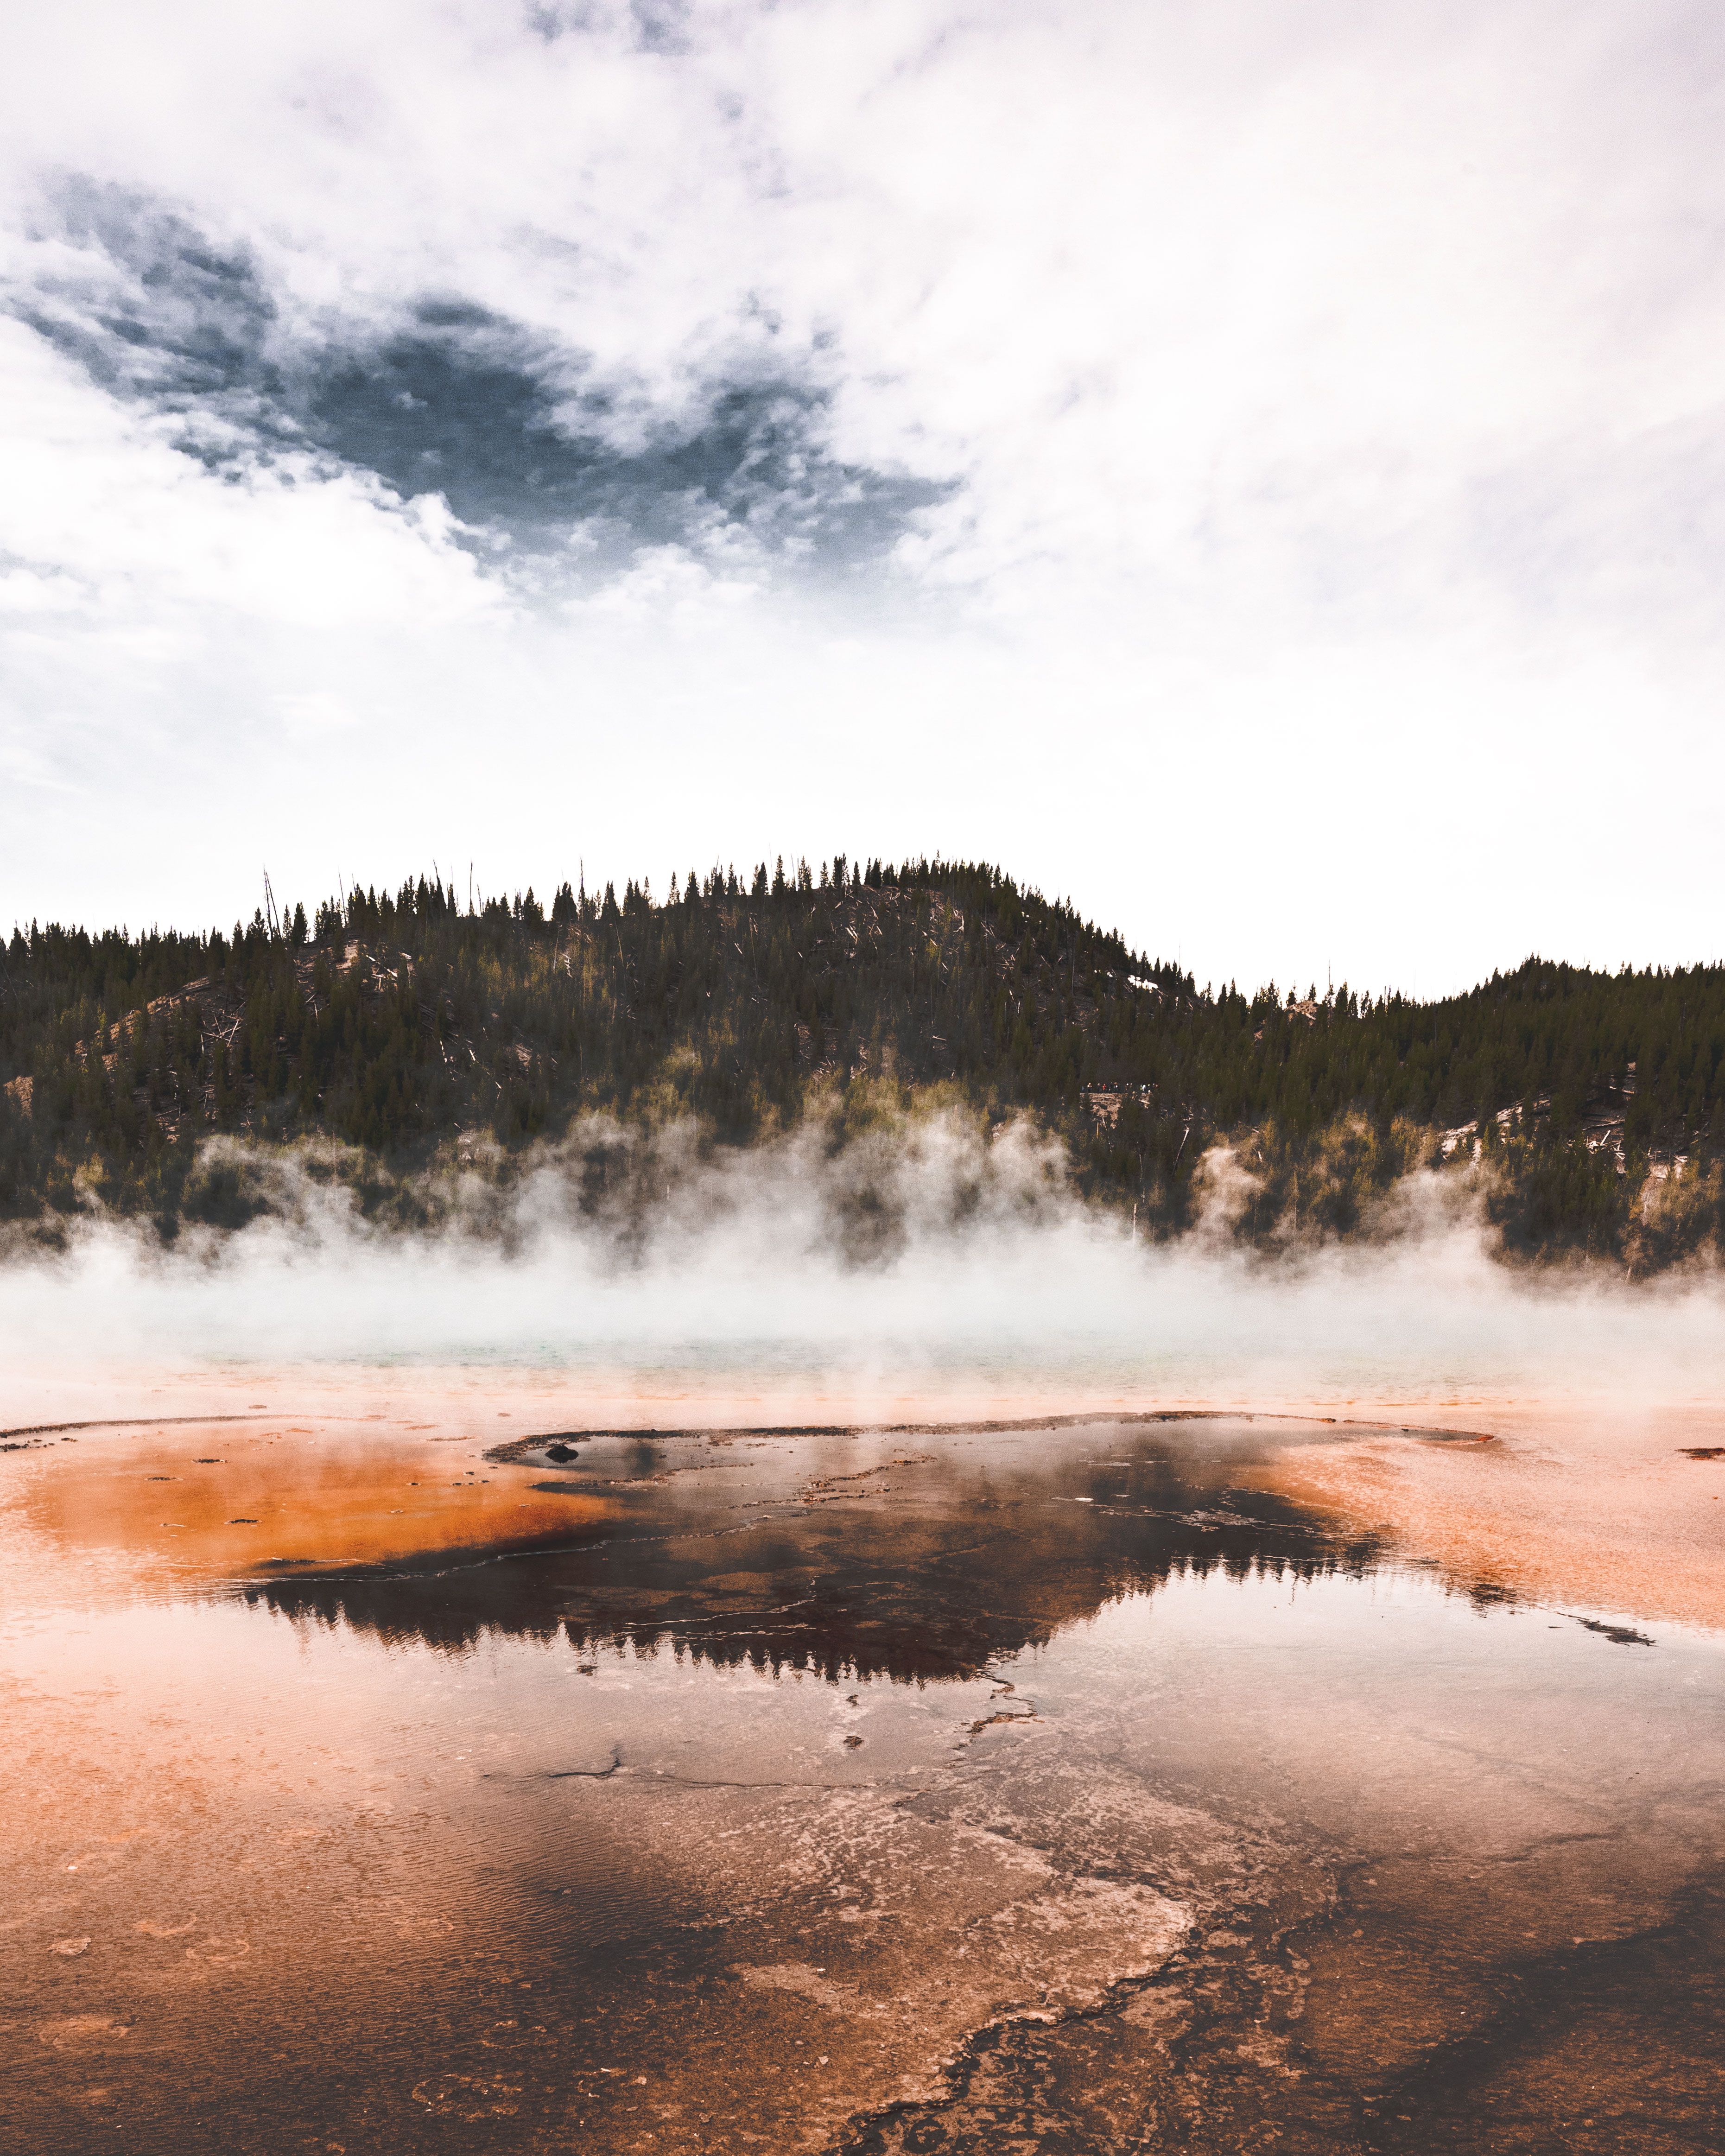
<point>1593,1104</point>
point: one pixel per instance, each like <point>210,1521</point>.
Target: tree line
<point>1593,1102</point>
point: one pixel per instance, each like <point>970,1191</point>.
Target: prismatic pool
<point>1068,1787</point>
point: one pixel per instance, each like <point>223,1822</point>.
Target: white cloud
<point>96,490</point>
<point>1332,394</point>
<point>667,584</point>
<point>314,714</point>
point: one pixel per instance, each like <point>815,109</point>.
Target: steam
<point>930,1257</point>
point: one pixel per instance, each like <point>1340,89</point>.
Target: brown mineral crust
<point>874,1943</point>
<point>1609,1508</point>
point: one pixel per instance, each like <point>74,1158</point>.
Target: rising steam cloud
<point>933,1256</point>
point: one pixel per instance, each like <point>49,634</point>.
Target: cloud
<point>315,715</point>
<point>1311,407</point>
<point>1210,323</point>
<point>666,585</point>
<point>522,438</point>
<point>99,494</point>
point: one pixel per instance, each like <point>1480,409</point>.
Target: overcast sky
<point>1255,469</point>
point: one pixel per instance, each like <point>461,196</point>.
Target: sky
<point>1257,470</point>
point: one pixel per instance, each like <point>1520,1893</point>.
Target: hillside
<point>1593,1105</point>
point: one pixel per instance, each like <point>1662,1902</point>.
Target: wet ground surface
<point>995,1790</point>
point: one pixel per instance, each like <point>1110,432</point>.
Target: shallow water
<point>1065,1787</point>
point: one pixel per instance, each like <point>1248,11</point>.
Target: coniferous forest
<point>1589,1107</point>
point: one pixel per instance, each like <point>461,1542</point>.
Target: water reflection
<point>919,1558</point>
